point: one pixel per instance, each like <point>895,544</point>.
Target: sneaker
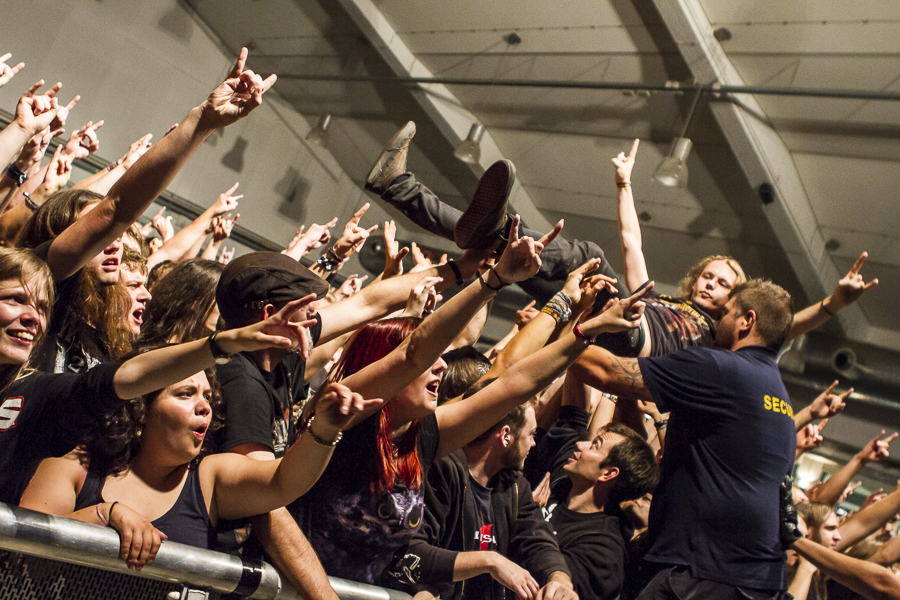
<point>486,216</point>
<point>391,163</point>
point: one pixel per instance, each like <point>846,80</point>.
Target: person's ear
<point>268,311</point>
<point>608,474</point>
<point>505,436</point>
<point>748,321</point>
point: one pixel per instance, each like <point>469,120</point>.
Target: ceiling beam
<point>765,158</point>
<point>451,118</point>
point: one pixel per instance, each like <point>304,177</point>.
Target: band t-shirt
<point>730,443</point>
<point>482,531</point>
<point>355,531</point>
<point>676,324</point>
<point>44,415</point>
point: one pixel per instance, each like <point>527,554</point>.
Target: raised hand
<point>848,491</point>
<point>872,498</point>
<point>524,316</point>
<point>353,236</point>
<point>163,225</point>
<point>58,173</point>
<point>136,150</point>
<point>33,113</point>
<point>139,540</point>
<point>624,164</point>
<point>317,235</point>
<point>828,404</point>
<point>226,202</point>
<point>223,227</point>
<point>521,258</point>
<point>237,96</point>
<point>33,150</point>
<point>351,285</point>
<point>423,297</point>
<point>810,437</point>
<point>877,449</point>
<point>83,142</point>
<point>618,315</point>
<point>851,287</point>
<point>59,121</point>
<point>7,72</point>
<point>286,329</point>
<point>541,493</point>
<point>393,253</point>
<point>335,406</point>
<point>227,255</point>
<point>421,262</point>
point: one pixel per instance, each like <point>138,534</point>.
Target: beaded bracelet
<point>317,439</point>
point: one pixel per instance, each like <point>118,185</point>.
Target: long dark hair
<point>54,216</point>
<point>397,459</point>
<point>182,303</point>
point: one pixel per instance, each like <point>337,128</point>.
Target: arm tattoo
<point>626,372</point>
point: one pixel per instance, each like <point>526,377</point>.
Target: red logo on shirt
<point>9,412</point>
<point>484,536</point>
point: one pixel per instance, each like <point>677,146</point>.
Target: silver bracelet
<point>29,202</point>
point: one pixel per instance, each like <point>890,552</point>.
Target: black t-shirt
<point>593,545</point>
<point>354,531</point>
<point>70,345</point>
<point>482,531</point>
<point>676,324</point>
<point>730,442</point>
<point>45,414</point>
<point>258,403</point>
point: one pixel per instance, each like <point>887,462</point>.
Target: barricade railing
<point>44,557</point>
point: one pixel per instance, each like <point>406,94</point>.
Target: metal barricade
<point>44,557</point>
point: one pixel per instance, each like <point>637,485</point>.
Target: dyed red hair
<point>397,460</point>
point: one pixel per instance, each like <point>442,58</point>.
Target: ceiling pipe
<point>591,85</point>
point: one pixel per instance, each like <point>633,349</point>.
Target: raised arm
<point>826,404</point>
<point>875,451</point>
<point>235,98</point>
<point>863,577</point>
<point>33,113</point>
<point>848,290</point>
<point>103,180</point>
<point>600,368</point>
<point>386,377</point>
<point>461,422</point>
<point>629,226</point>
<point>868,520</point>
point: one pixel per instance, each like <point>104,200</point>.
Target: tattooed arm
<point>612,374</point>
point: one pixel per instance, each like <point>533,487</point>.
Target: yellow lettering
<point>767,402</point>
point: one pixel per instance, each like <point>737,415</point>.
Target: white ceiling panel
<point>777,11</point>
<point>869,73</point>
<point>814,38</point>
<point>849,193</point>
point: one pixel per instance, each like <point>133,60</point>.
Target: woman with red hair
<point>369,502</point>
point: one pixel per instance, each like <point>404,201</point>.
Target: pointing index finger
<point>634,149</point>
<point>551,235</point>
<point>359,214</point>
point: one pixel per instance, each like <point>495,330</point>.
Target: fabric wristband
<point>457,272</point>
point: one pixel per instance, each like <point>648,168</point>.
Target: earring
<point>140,430</point>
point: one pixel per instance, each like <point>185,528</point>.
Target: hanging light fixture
<point>318,135</point>
<point>672,171</point>
<point>469,150</point>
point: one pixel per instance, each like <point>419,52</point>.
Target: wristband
<point>335,255</point>
<point>319,440</point>
<point>103,519</point>
<point>580,334</point>
<point>328,263</point>
<point>559,308</point>
<point>623,184</point>
<point>112,166</point>
<point>827,312</point>
<point>14,173</point>
<point>661,424</point>
<point>456,271</point>
<point>29,202</point>
<point>484,279</point>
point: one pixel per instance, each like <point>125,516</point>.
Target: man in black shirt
<point>714,522</point>
<point>479,518</point>
<point>590,480</point>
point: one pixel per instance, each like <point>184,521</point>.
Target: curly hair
<point>396,459</point>
<point>113,444</point>
<point>686,286</point>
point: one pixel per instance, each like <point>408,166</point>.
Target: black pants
<point>558,259</point>
<point>676,583</point>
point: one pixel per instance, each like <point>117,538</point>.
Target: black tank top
<point>187,522</point>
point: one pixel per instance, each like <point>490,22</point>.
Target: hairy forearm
<point>868,520</point>
<point>292,554</point>
<point>863,577</point>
